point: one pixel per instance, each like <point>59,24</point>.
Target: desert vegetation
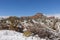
<point>39,24</point>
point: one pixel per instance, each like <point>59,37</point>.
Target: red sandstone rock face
<point>39,14</point>
<point>36,16</point>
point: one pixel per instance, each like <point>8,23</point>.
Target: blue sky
<point>28,7</point>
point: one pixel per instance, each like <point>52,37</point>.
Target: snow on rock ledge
<point>13,35</point>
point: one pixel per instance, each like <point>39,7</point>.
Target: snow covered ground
<point>13,35</point>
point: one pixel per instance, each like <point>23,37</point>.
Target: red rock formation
<point>36,16</point>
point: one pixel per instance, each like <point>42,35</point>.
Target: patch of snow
<point>13,35</point>
<point>19,25</point>
<point>24,23</point>
<point>34,21</point>
<point>25,29</point>
<point>58,26</point>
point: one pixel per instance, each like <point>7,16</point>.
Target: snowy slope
<point>12,35</point>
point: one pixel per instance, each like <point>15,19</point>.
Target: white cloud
<point>56,15</point>
<point>4,16</point>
